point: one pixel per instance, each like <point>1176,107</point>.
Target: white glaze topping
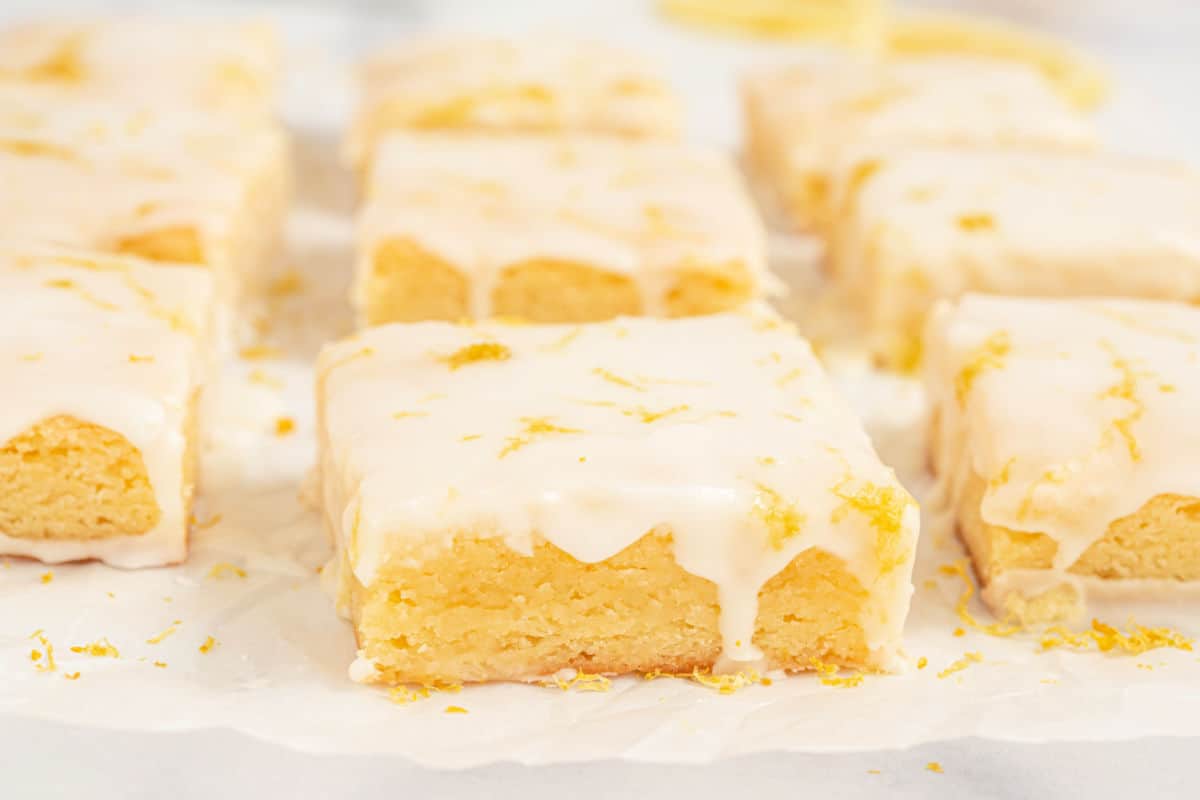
<point>185,63</point>
<point>942,221</point>
<point>117,343</point>
<point>722,429</point>
<point>89,175</point>
<point>1076,413</point>
<point>537,83</point>
<point>812,114</point>
<point>482,203</point>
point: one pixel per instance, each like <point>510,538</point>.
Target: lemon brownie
<point>104,359</point>
<point>222,66</point>
<point>530,84</point>
<point>166,185</point>
<point>936,222</point>
<point>633,495</point>
<point>803,119</point>
<point>1065,450</point>
<point>561,229</point>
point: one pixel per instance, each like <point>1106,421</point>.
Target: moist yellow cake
<point>802,120</point>
<point>1065,448</point>
<point>103,359</point>
<point>228,67</point>
<point>511,500</point>
<point>167,185</point>
<point>541,84</point>
<point>923,223</point>
<point>559,229</point>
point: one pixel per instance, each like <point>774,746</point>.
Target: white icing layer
<point>1076,413</point>
<point>538,83</point>
<point>86,174</point>
<point>181,63</point>
<point>806,117</point>
<point>590,437</point>
<point>937,222</point>
<point>483,203</point>
<point>117,343</point>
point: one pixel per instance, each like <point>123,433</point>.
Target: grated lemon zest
<point>958,666</point>
<point>101,648</point>
<point>1108,639</point>
<point>476,353</point>
<point>614,378</point>
<point>156,639</point>
<point>828,675</point>
<point>782,520</point>
<point>885,507</point>
<point>223,568</point>
<point>722,684</point>
<point>973,223</point>
<point>581,682</point>
<point>203,525</point>
<point>649,417</point>
<point>49,664</point>
<point>259,352</point>
<point>987,357</point>
<point>534,427</point>
<point>962,607</point>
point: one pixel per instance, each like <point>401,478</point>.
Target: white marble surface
<point>1152,44</point>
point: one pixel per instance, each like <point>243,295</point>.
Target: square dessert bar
<point>227,67</point>
<point>802,120</point>
<point>103,359</point>
<point>937,222</point>
<point>534,84</point>
<point>565,229</point>
<point>1065,445</point>
<point>635,495</point>
<point>168,185</point>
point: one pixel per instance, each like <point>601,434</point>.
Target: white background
<point>1154,48</point>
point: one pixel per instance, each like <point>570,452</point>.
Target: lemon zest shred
<point>1109,639</point>
<point>476,353</point>
<point>958,666</point>
<point>101,648</point>
<point>986,357</point>
<point>581,682</point>
<point>223,568</point>
<point>884,507</point>
<point>49,664</point>
<point>1002,629</point>
<point>722,684</point>
<point>616,379</point>
<point>158,638</point>
<point>534,427</point>
<point>648,417</point>
<point>781,518</point>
